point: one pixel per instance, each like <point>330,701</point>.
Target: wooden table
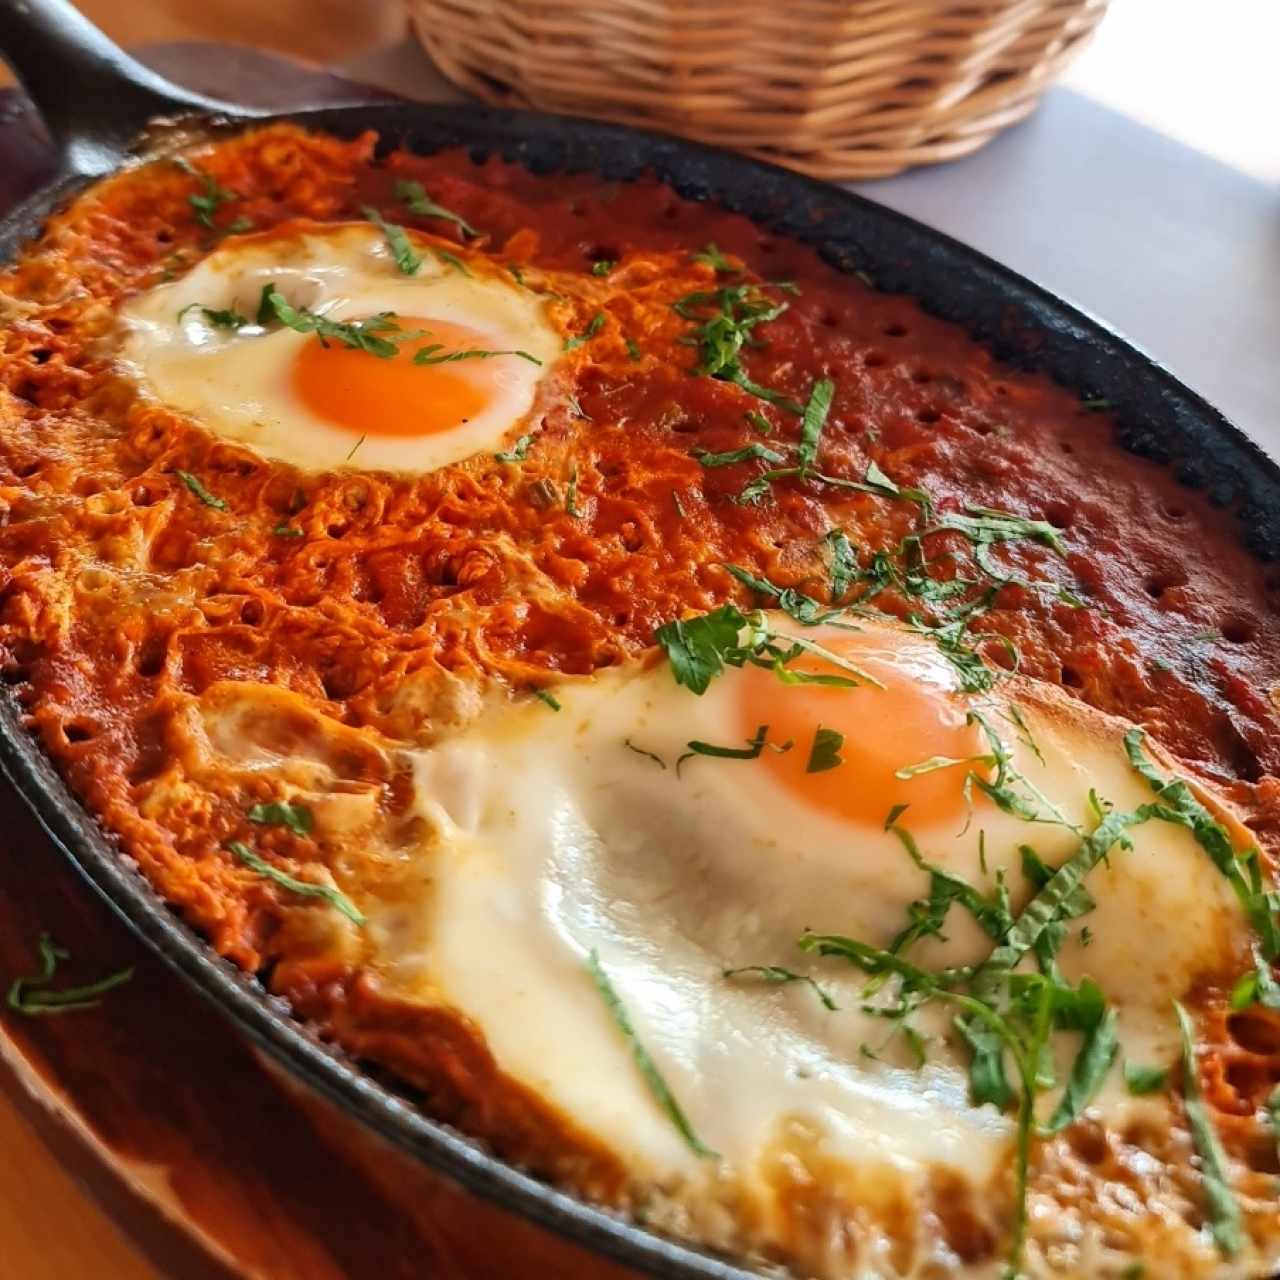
<point>318,31</point>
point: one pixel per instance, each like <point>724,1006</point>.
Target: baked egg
<point>314,345</point>
<point>647,902</point>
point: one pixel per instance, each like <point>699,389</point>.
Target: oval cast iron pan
<point>96,101</point>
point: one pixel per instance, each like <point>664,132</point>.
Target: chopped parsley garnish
<point>986,528</point>
<point>407,258</point>
<point>1011,791</point>
<point>304,888</point>
<point>946,607</point>
<point>934,763</point>
<point>416,200</point>
<point>193,483</point>
<point>844,562</point>
<point>1015,717</point>
<point>1258,987</point>
<point>368,334</point>
<point>803,608</point>
<point>436,354</point>
<point>952,602</point>
<point>824,754</point>
<point>1078,903</point>
<point>700,648</point>
<point>1224,1211</point>
<point>633,351</point>
<point>36,996</point>
<point>1019,1033</point>
<point>748,453</point>
<point>234,227</point>
<point>815,418</point>
<point>603,267</point>
<point>212,195</point>
<point>648,755</point>
<point>1245,992</point>
<point>751,751</point>
<point>452,260</point>
<point>952,639</point>
<point>1028,1066</point>
<point>988,1081</point>
<point>648,1068</point>
<point>287,531</point>
<point>227,319</point>
<point>880,482</point>
<point>789,675</point>
<point>711,257</point>
<point>875,482</point>
<point>1177,803</point>
<point>593,327</point>
<point>927,917</point>
<point>775,975</point>
<point>1056,900</point>
<point>571,493</point>
<point>1006,1013</point>
<point>518,452</point>
<point>545,695</point>
<point>1097,1053</point>
<point>729,315</point>
<point>297,817</point>
<point>1143,1080</point>
<point>696,647</point>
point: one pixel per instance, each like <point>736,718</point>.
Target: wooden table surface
<point>317,31</point>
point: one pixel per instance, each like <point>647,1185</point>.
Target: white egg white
<point>545,837</point>
<point>557,838</point>
<point>236,382</point>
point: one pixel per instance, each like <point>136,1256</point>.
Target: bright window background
<point>1202,71</point>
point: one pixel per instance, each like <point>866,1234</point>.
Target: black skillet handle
<point>94,98</point>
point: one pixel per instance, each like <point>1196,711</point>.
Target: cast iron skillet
<point>95,100</point>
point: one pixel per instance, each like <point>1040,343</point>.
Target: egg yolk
<point>915,717</point>
<point>369,395</point>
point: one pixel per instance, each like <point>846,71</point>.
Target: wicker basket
<point>834,88</point>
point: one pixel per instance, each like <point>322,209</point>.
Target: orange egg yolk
<point>916,716</point>
<point>369,395</point>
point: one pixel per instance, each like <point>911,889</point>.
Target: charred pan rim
<point>1158,418</point>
